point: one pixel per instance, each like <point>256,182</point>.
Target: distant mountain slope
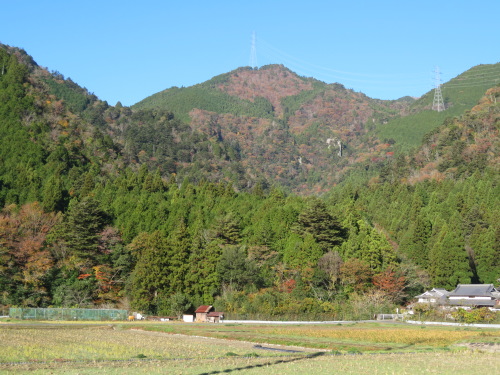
<point>272,90</point>
<point>47,150</point>
<point>463,144</point>
<point>459,94</point>
<point>272,83</point>
<point>264,126</point>
<point>207,96</point>
<point>439,204</point>
<point>306,134</point>
<point>291,130</point>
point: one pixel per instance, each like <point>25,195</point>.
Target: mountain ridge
<point>298,116</point>
<point>104,205</point>
<point>268,125</point>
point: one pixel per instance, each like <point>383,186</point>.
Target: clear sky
<point>127,50</point>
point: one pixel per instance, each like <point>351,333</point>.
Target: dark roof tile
<point>473,290</point>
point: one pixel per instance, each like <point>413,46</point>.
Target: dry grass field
<point>358,337</point>
<point>145,348</point>
<point>429,363</point>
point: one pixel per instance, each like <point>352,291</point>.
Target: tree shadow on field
<point>266,364</point>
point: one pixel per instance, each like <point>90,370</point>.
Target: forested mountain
<point>298,132</point>
<point>135,207</point>
<point>459,95</point>
<point>439,204</point>
<point>307,135</point>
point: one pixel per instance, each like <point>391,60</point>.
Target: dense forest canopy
<point>137,207</point>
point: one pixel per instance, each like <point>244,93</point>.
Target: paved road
<point>297,322</point>
<point>360,321</point>
<point>83,324</point>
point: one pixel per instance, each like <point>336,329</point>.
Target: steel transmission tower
<point>253,53</point>
<point>437,103</point>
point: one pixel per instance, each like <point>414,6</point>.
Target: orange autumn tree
<point>391,284</point>
<point>24,257</point>
<point>107,287</point>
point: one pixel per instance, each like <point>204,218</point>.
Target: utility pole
<point>253,53</point>
<point>437,103</point>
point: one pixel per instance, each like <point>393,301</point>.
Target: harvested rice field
<point>175,348</point>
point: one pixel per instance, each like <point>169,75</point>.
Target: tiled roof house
<point>436,296</point>
<point>464,295</point>
<point>477,295</point>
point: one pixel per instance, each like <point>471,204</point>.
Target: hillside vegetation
<point>459,95</point>
<point>298,132</point>
<point>117,206</point>
<point>306,135</point>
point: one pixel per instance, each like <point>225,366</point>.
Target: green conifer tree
<point>179,244</point>
<point>149,278</point>
<point>81,227</point>
<point>486,247</point>
<point>448,260</point>
<point>417,248</point>
<point>319,223</point>
<point>52,194</point>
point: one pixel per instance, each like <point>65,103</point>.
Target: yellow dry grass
<point>108,349</point>
<point>464,363</point>
<point>362,337</point>
<point>106,343</point>
<point>397,335</point>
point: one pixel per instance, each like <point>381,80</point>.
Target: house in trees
<point>474,295</point>
<point>464,295</point>
<point>436,296</point>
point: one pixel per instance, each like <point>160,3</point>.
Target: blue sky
<point>127,50</point>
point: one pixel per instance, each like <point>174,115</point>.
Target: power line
<point>281,57</point>
<point>491,82</point>
<point>487,75</point>
<point>475,80</point>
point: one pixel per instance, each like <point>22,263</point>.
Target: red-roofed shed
<point>202,312</point>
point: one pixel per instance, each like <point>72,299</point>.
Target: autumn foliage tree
<point>390,283</point>
<point>356,275</point>
<point>26,261</point>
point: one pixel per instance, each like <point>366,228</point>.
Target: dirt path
<point>483,347</point>
<point>236,343</point>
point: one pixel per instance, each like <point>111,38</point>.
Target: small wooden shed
<point>215,316</point>
<point>202,312</point>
